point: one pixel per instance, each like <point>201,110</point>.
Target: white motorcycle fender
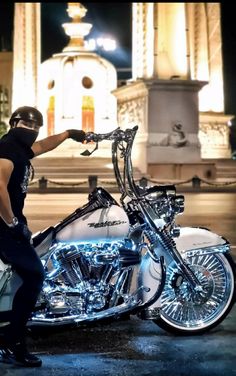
<point>192,238</point>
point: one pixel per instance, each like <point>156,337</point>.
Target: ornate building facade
<point>176,91</point>
<point>76,85</point>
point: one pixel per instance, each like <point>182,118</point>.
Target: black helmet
<point>28,114</point>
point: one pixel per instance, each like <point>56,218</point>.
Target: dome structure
<point>75,86</point>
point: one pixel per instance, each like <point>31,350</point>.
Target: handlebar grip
<point>91,136</point>
<point>96,137</point>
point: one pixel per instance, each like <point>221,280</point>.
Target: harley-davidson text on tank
<point>102,224</point>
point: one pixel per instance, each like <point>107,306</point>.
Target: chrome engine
<point>82,279</point>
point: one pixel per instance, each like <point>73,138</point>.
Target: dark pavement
<point>132,347</point>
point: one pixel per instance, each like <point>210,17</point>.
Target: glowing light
<point>211,97</point>
<point>180,47</point>
<point>90,44</point>
<point>106,44</point>
<point>172,44</point>
<point>137,42</point>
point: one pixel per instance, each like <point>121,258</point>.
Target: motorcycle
<point>110,259</point>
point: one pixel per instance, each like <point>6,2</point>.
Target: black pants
<point>25,261</point>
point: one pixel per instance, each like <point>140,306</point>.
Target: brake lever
<point>87,153</point>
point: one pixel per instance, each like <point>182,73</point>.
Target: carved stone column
<point>26,54</point>
<point>180,42</point>
<point>214,135</point>
<point>205,52</point>
<point>159,41</point>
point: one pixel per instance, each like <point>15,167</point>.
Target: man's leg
<point>28,266</point>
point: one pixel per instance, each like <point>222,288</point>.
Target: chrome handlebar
<point>154,202</point>
<point>115,135</point>
<point>122,140</point>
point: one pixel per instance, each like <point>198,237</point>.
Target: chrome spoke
<point>184,308</point>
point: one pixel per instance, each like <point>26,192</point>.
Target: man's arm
<point>49,143</point>
<point>6,168</point>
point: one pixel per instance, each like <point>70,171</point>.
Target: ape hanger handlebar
<point>115,135</point>
<point>122,141</point>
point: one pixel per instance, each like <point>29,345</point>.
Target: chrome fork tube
<point>169,246</point>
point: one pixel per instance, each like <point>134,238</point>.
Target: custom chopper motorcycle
<point>107,259</point>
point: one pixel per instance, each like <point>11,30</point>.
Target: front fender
<point>197,240</point>
<point>191,241</point>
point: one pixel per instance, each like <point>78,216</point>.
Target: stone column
<point>206,64</point>
<point>159,41</point>
<point>206,53</point>
<point>26,54</point>
<point>177,55</point>
<point>166,112</point>
<point>161,98</point>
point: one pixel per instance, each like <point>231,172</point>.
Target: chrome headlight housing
<point>162,204</point>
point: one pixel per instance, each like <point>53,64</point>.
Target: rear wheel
<point>188,312</point>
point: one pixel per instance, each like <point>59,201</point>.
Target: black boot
<point>18,354</point>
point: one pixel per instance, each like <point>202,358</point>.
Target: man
<point>17,147</point>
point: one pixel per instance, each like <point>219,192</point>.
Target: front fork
<point>169,246</point>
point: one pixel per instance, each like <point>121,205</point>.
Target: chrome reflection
<point>186,308</point>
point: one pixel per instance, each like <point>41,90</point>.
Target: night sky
<point>114,20</point>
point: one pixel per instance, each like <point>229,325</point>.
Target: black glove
<point>21,232</point>
<point>76,135</point>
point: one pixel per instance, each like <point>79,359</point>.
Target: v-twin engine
<point>82,279</point>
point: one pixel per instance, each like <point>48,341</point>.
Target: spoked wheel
<point>189,312</point>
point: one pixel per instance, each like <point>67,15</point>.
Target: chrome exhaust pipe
<point>73,319</point>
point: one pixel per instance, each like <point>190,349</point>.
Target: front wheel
<point>187,312</point>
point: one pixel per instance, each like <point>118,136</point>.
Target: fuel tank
<point>104,224</point>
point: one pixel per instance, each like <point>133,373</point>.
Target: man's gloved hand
<point>21,232</point>
<point>76,135</point>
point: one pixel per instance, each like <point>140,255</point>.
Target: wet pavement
<point>131,348</point>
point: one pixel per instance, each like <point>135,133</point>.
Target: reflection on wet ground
<point>132,347</point>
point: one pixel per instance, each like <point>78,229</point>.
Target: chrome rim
<point>187,309</point>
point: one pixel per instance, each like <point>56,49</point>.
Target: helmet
<point>28,114</point>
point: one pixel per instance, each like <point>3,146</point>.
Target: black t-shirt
<point>20,155</point>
